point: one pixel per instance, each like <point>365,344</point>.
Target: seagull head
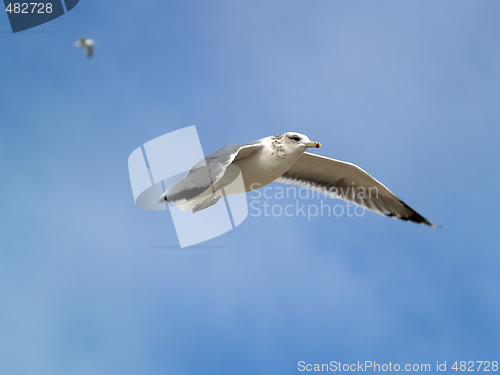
<point>301,141</point>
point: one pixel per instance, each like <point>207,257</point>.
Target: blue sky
<point>91,284</point>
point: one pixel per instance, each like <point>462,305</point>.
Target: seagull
<point>87,44</point>
<point>282,158</point>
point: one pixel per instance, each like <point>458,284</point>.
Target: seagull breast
<point>267,164</point>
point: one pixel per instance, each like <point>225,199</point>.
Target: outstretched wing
<point>349,182</point>
<point>208,171</point>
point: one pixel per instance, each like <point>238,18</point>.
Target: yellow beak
<point>313,144</point>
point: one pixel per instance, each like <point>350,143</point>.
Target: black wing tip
<point>183,194</point>
<point>414,216</point>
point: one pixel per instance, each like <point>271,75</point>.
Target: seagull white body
<point>282,158</point>
<point>259,163</point>
<point>87,44</point>
<point>272,163</point>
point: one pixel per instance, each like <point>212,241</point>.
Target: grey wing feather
<point>349,182</point>
<point>208,171</point>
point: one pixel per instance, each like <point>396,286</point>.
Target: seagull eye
<point>295,138</point>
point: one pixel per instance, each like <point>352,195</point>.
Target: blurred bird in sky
<point>87,44</point>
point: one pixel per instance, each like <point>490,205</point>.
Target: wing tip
<point>415,217</point>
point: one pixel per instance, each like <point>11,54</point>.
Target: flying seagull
<point>282,158</point>
<point>87,44</point>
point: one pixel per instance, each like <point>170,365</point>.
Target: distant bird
<point>282,158</point>
<point>87,44</point>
